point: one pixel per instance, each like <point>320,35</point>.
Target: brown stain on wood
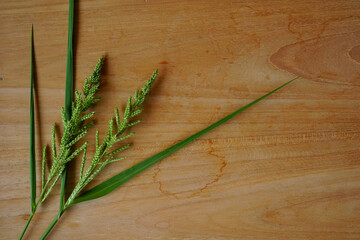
<point>212,152</point>
<point>161,188</point>
<point>217,177</point>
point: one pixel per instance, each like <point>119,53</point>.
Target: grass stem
<point>51,226</point>
<point>26,225</point>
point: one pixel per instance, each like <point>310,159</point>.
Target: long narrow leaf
<point>32,127</point>
<point>113,183</point>
<point>68,89</point>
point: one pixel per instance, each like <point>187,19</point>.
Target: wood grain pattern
<point>288,168</point>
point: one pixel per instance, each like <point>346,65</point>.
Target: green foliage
<point>76,127</point>
<point>32,127</point>
<point>113,183</point>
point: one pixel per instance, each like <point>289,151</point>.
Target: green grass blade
<point>113,183</point>
<point>69,89</point>
<point>32,127</point>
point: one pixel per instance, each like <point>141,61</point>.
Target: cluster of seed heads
<point>77,127</point>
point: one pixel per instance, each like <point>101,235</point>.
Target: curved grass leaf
<point>32,127</point>
<point>113,183</point>
<point>69,89</point>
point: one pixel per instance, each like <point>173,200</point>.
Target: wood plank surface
<point>288,168</point>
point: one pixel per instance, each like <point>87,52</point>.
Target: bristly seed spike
<point>117,117</point>
<point>53,141</point>
<point>132,109</point>
<point>97,139</point>
<point>74,130</point>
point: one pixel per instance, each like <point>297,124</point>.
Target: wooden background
<point>288,168</point>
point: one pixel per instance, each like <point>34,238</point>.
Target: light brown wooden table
<point>288,168</point>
